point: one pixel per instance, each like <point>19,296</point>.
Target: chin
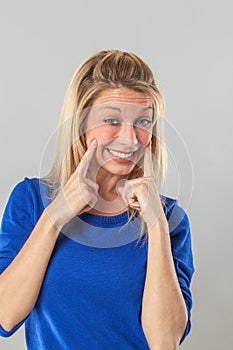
<point>118,169</point>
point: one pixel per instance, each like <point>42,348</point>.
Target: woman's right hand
<point>78,195</point>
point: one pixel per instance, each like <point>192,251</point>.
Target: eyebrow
<point>118,109</point>
<point>111,107</point>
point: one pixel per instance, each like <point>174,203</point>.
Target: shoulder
<point>176,215</point>
<point>29,194</point>
<point>27,185</point>
<point>168,203</point>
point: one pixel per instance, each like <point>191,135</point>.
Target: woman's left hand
<point>142,193</point>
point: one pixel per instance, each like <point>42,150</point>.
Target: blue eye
<point>143,122</point>
<point>111,121</point>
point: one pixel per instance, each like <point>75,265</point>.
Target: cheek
<point>101,134</point>
<point>144,137</point>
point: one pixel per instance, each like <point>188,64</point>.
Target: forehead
<point>122,96</point>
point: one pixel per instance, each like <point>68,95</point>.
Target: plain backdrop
<point>188,45</point>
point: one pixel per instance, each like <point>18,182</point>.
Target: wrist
<point>159,223</point>
<point>54,217</point>
<point>48,223</point>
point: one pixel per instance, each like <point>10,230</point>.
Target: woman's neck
<point>107,182</point>
<point>109,202</point>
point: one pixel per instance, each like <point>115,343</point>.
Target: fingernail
<point>93,142</point>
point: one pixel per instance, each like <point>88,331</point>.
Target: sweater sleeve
<point>181,245</point>
<point>16,226</point>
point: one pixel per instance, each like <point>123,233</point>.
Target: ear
<point>82,128</point>
<point>149,145</point>
<point>82,134</point>
<point>83,140</point>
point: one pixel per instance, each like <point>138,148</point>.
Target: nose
<point>127,135</point>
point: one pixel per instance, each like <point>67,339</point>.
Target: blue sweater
<point>91,297</point>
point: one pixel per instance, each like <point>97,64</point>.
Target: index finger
<point>148,166</point>
<point>85,162</point>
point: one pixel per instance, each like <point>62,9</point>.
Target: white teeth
<point>120,155</point>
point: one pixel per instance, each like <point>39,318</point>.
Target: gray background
<point>188,46</point>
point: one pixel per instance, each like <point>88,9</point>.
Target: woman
<point>102,192</point>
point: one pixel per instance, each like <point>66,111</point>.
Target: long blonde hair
<point>103,70</point>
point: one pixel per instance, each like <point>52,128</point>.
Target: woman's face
<point>121,120</point>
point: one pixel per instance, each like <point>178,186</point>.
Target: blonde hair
<point>104,70</point>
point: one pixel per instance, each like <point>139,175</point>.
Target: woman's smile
<point>120,154</point>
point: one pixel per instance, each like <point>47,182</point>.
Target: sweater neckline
<point>100,220</point>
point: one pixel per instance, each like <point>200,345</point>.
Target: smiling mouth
<point>121,154</point>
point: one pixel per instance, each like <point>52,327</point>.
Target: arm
<point>167,298</point>
<point>21,280</point>
<point>25,274</point>
<point>164,313</point>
